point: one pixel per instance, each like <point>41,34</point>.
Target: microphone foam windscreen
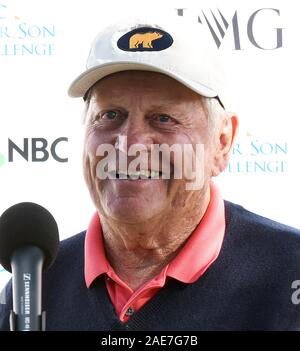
<point>25,224</point>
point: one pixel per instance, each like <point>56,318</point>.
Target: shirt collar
<point>204,245</point>
<point>95,261</point>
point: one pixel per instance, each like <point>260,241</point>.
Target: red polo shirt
<point>200,251</point>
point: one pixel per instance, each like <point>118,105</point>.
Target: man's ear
<point>226,137</point>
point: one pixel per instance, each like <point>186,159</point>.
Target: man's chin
<point>130,210</point>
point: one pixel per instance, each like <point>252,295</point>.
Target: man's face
<point>147,108</point>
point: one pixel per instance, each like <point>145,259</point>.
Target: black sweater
<point>249,286</point>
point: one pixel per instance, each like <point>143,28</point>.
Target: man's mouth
<point>136,175</point>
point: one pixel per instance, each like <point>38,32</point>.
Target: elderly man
<point>159,255</point>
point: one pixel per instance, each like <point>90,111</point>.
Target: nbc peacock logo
<point>2,160</point>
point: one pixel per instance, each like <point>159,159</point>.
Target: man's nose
<point>135,131</point>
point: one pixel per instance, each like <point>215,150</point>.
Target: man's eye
<point>163,119</point>
<point>110,115</point>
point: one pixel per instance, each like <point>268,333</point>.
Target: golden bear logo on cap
<point>145,39</point>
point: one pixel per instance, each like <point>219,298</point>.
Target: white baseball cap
<point>169,45</point>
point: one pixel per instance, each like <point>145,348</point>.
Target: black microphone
<point>28,244</point>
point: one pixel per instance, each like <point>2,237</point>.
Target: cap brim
<point>87,79</point>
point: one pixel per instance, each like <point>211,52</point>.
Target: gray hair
<point>215,112</point>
